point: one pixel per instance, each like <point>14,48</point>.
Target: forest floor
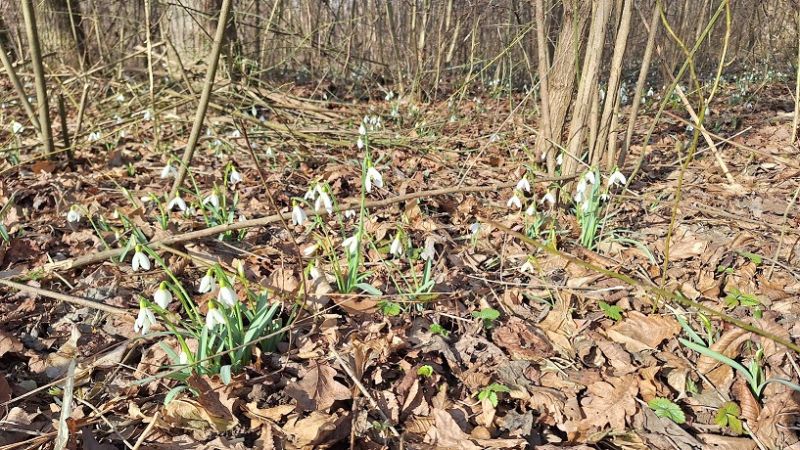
<point>490,342</point>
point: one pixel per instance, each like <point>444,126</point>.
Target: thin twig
<point>64,297</point>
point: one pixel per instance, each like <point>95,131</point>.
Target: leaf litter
<point>572,374</point>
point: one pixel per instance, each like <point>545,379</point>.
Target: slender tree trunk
<point>46,133</point>
<point>545,128</point>
<point>589,79</point>
<point>611,107</point>
<point>61,31</point>
<point>640,83</point>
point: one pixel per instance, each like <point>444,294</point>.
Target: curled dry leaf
<point>638,332</point>
<point>522,341</point>
<point>317,429</point>
<point>317,389</point>
<point>610,403</point>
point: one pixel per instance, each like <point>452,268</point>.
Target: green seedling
<point>664,407</point>
<point>728,416</point>
<point>613,312</point>
<point>490,392</point>
<point>440,330</point>
<point>425,371</point>
<point>488,315</point>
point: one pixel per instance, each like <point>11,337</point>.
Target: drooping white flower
<point>362,130</point>
<point>604,197</point>
<point>270,153</point>
<point>430,249</point>
<point>299,216</point>
<point>524,185</point>
<point>475,228</point>
<point>580,191</point>
<point>548,198</point>
<point>349,214</point>
<point>212,199</point>
<point>234,176</point>
<point>120,98</point>
<point>17,127</point>
<point>360,143</point>
<point>526,267</point>
<point>93,136</point>
<point>514,202</point>
<point>396,248</point>
<point>214,318</point>
<point>147,116</point>
<point>227,296</point>
<point>559,159</point>
<point>144,321</point>
<point>617,178</point>
<point>589,177</point>
<point>373,177</point>
<point>235,134</point>
<point>531,209</point>
<point>351,244</point>
<point>206,283</point>
<point>177,201</point>
<point>140,260</point>
<point>314,273</point>
<point>183,358</point>
<point>169,171</point>
<point>162,296</point>
<point>310,194</point>
<point>74,214</point>
<point>323,200</point>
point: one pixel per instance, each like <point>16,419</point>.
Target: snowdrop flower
<point>475,228</point>
<point>389,96</point>
<point>162,296</point>
<point>183,358</point>
<point>177,201</point>
<point>586,205</point>
<point>270,153</point>
<point>604,197</point>
<point>526,267</point>
<point>531,210</point>
<point>299,216</point>
<point>560,159</point>
<point>212,199</point>
<point>169,171</point>
<point>349,214</point>
<point>314,273</point>
<point>514,202</point>
<point>323,200</point>
<point>360,143</point>
<point>74,214</point>
<point>362,130</point>
<point>214,317</point>
<point>494,138</point>
<point>144,320</point>
<point>234,177</point>
<point>310,250</point>
<point>430,249</point>
<point>396,248</point>
<point>235,134</point>
<point>548,198</point>
<point>373,177</point>
<point>524,185</point>
<point>17,127</point>
<point>147,116</point>
<point>120,98</point>
<point>206,283</point>
<point>310,194</point>
<point>351,244</point>
<point>589,177</point>
<point>580,190</point>
<point>93,136</point>
<point>617,178</point>
<point>227,296</point>
<point>140,260</point>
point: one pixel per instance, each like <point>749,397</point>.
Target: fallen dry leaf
<point>638,332</point>
<point>317,389</point>
<point>610,403</point>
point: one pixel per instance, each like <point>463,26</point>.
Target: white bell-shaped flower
<point>214,317</point>
<point>211,199</point>
<point>351,244</point>
<point>144,321</point>
<point>17,127</point>
<point>617,179</point>
<point>362,130</point>
<point>360,143</point>
<point>524,185</point>
<point>396,248</point>
<point>234,176</point>
<point>323,200</point>
<point>177,201</point>
<point>430,249</point>
<point>373,178</point>
<point>162,296</point>
<point>140,260</point>
<point>227,296</point>
<point>169,171</point>
<point>206,283</point>
<point>74,214</point>
<point>548,198</point>
<point>299,216</point>
<point>589,177</point>
<point>514,202</point>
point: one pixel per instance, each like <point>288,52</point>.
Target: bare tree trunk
<point>643,71</point>
<point>611,106</point>
<point>46,133</point>
<point>561,82</point>
<point>545,128</point>
<point>61,31</point>
<point>589,78</point>
<point>796,119</point>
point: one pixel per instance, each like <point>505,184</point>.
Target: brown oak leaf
<point>317,390</point>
